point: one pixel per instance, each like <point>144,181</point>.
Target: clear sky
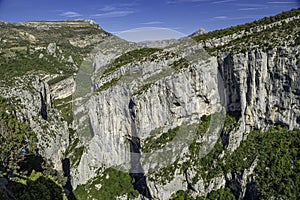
<point>185,16</point>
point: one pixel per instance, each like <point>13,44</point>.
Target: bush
<point>113,183</point>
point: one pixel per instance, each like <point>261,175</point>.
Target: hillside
<point>87,115</point>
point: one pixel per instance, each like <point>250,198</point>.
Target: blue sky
<point>185,16</point>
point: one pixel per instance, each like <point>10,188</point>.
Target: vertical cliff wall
<point>263,87</point>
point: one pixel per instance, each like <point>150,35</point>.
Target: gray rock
<point>51,49</point>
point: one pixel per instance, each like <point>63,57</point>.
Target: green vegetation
<point>180,64</point>
<point>36,186</point>
<point>75,154</point>
<point>57,79</point>
<point>152,144</point>
<point>14,136</point>
<point>181,195</point>
<point>220,194</point>
<point>278,153</point>
<point>22,63</point>
<point>143,89</point>
<point>66,108</point>
<point>24,49</point>
<point>194,148</point>
<point>108,84</point>
<point>203,166</point>
<point>61,36</point>
<point>247,26</point>
<point>166,174</point>
<point>129,57</point>
<point>231,121</point>
<point>266,39</point>
<point>109,185</point>
<point>75,149</point>
<point>18,160</point>
<point>163,55</point>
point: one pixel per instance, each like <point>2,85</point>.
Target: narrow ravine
<point>136,170</point>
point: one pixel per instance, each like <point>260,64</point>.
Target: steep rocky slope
<point>194,119</point>
<point>38,63</point>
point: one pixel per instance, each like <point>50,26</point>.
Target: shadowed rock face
<point>262,87</point>
<point>43,107</point>
<point>67,173</point>
<point>136,170</point>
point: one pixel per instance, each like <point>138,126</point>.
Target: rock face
<point>52,132</point>
<point>143,109</point>
<point>254,85</point>
<point>263,88</point>
<point>171,98</point>
<point>63,89</point>
<point>108,145</point>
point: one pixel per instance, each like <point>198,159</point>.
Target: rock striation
<point>263,88</point>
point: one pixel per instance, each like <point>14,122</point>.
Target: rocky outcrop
<point>33,96</point>
<point>51,49</point>
<point>263,87</point>
<point>201,31</point>
<point>63,89</point>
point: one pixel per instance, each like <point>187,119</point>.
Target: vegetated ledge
<point>248,26</point>
<point>257,33</point>
<point>278,35</point>
<point>131,56</point>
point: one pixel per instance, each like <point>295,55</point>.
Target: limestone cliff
<point>34,98</point>
<point>262,87</point>
<point>157,90</point>
<point>174,115</point>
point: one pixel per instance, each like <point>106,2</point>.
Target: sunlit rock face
<point>245,83</point>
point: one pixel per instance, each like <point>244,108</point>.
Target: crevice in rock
<point>44,112</point>
<point>189,184</point>
<point>91,128</point>
<point>235,184</point>
<point>251,191</point>
<point>136,170</point>
<point>68,186</point>
<point>177,104</point>
<point>225,138</point>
